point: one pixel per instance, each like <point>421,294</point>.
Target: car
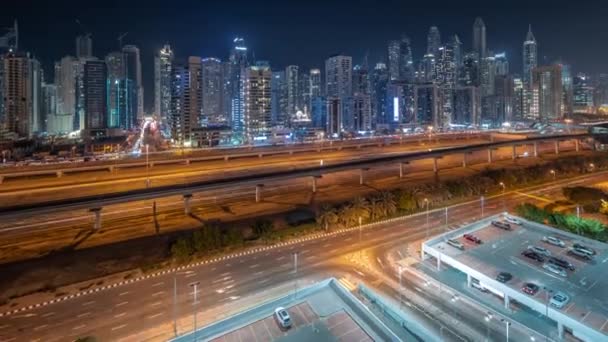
<point>555,269</point>
<point>559,300</point>
<point>561,263</point>
<point>282,317</point>
<point>539,250</point>
<point>501,225</point>
<point>455,244</point>
<point>530,288</point>
<point>533,255</point>
<point>584,248</point>
<point>472,238</point>
<point>479,286</point>
<point>580,254</point>
<point>552,240</point>
<point>504,277</point>
<point>512,219</point>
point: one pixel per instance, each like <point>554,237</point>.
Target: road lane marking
<point>124,293</point>
<point>119,327</point>
<point>84,314</point>
<point>158,293</point>
<point>156,303</point>
<point>48,314</point>
<point>158,284</point>
<point>254,266</point>
<point>41,327</point>
<point>190,275</point>
<point>120,315</point>
<point>88,303</point>
<point>121,304</point>
<point>79,327</point>
<point>156,315</point>
<point>281,257</point>
<point>258,273</point>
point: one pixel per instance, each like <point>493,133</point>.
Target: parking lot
<point>501,250</point>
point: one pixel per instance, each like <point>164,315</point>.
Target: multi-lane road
<point>145,310</point>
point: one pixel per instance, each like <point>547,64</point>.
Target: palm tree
<point>360,207</point>
<point>389,204</point>
<point>327,217</point>
<point>375,209</point>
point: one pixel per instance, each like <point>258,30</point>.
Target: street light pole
<point>194,302</point>
<point>507,324</point>
<point>426,200</point>
<point>446,218</point>
<point>482,200</point>
<point>360,228</point>
<point>295,272</point>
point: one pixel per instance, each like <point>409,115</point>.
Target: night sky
<point>306,32</point>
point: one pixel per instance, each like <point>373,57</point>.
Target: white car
<point>555,269</point>
<point>282,317</point>
<point>554,241</point>
<point>559,299</point>
<point>540,250</point>
<point>513,220</point>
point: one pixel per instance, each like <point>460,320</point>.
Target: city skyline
<point>297,48</point>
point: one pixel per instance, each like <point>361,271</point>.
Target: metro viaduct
<point>95,203</point>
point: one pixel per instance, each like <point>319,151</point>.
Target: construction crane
<point>120,37</point>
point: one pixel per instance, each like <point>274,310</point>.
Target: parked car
<point>455,244</point>
<point>559,300</point>
<point>539,250</point>
<point>584,248</point>
<point>512,219</point>
<point>479,286</point>
<point>282,317</point>
<point>554,241</point>
<point>555,269</point>
<point>530,288</point>
<point>501,225</point>
<point>533,255</point>
<point>562,263</point>
<point>504,277</point>
<point>472,238</point>
<point>580,254</point>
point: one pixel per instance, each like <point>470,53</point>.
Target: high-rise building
<point>316,85</point>
<point>212,111</point>
<point>518,98</point>
<point>258,111</point>
<point>399,104</point>
<point>278,99</point>
<point>319,112</point>
<point>427,68</point>
<point>501,64</point>
<point>446,80</point>
<point>122,93</point>
<point>379,81</point>
<point>304,94</point>
<point>236,67</point>
<point>22,94</point>
<point>503,99</point>
<point>467,105</point>
<point>362,112</point>
<point>84,46</point>
<point>433,41</point>
<point>56,123</point>
<point>583,94</point>
<point>132,64</point>
<point>530,61</point>
<point>568,90</point>
<point>427,104</point>
<point>479,38</point>
<point>394,54</point>
<point>334,126</point>
<point>469,72</point>
<point>95,97</point>
<point>162,85</point>
<point>600,95</point>
<point>400,59</point>
<point>65,80</point>
<point>186,99</point>
<point>547,83</point>
<point>456,45</point>
<point>292,83</point>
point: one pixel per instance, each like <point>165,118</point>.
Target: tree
<point>604,207</point>
<point>348,215</point>
<point>387,200</point>
<point>327,217</point>
<point>375,209</point>
<point>182,249</point>
<point>360,207</point>
<point>262,227</point>
<point>407,201</point>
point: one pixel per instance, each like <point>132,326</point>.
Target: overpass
<point>59,170</point>
<point>97,202</point>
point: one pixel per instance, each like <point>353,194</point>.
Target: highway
<point>144,310</point>
<point>28,236</point>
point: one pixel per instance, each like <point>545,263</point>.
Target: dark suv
<point>504,277</point>
<point>561,263</point>
<point>533,255</point>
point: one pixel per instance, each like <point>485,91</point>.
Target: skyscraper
<point>122,94</point>
<point>236,68</point>
<point>95,97</point>
<point>186,99</point>
<point>467,105</point>
<point>212,111</point>
<point>394,54</point>
<point>292,86</point>
<point>278,98</point>
<point>379,81</point>
<point>427,104</point>
<point>22,94</point>
<point>257,90</point>
<point>446,79</point>
<point>162,84</point>
<point>530,61</point>
<point>433,41</point>
<point>65,80</point>
<point>583,94</point>
<point>479,38</point>
<point>399,104</point>
<point>316,85</point>
<point>339,85</point>
<point>501,64</point>
<point>84,46</point>
<point>133,72</point>
<point>469,72</point>
<point>547,83</point>
<point>400,60</point>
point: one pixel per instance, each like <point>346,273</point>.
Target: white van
<point>455,244</point>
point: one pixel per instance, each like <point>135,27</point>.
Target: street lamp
<point>175,298</point>
<point>591,166</point>
<point>147,166</point>
<point>503,186</point>
<point>507,324</point>
<point>194,302</point>
<point>426,200</point>
<point>568,122</point>
<point>553,173</point>
<point>295,272</point>
<point>488,318</point>
<point>481,200</point>
<point>430,129</point>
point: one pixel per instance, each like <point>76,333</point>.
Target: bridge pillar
<point>435,167</point>
<point>259,155</point>
<point>314,184</point>
<point>187,161</point>
<point>507,301</point>
<point>489,156</point>
<point>97,222</point>
<point>560,329</point>
<point>187,207</point>
<point>59,174</point>
<point>556,146</point>
<point>151,164</point>
<point>361,174</point>
<point>291,152</point>
<point>576,145</point>
<point>464,159</point>
<point>469,280</point>
<point>225,158</point>
<point>111,168</point>
<point>400,170</point>
<point>536,149</point>
<point>258,193</point>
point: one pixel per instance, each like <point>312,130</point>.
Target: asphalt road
<point>31,236</point>
<point>133,311</point>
